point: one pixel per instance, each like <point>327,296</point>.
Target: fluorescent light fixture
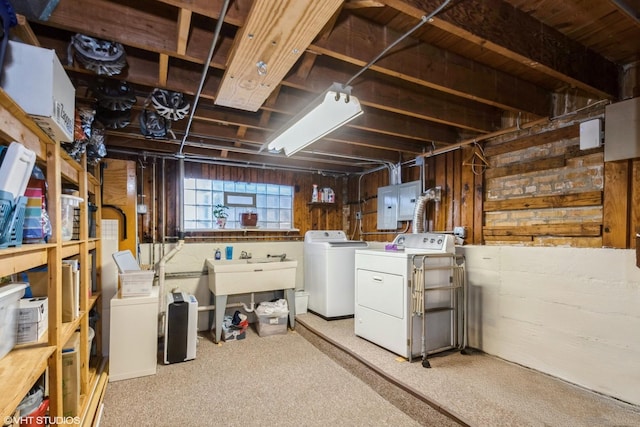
<point>332,109</point>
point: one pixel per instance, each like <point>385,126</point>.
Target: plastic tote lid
<point>72,200</point>
<point>125,261</point>
<point>7,290</point>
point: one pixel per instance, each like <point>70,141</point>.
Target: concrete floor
<point>482,390</point>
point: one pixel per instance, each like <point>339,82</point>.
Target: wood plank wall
<point>306,216</point>
<point>540,189</point>
<point>459,206</point>
<point>543,190</point>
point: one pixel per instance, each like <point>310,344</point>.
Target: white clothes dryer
<point>329,272</point>
<point>384,300</point>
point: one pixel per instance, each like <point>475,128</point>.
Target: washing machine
<point>407,314</point>
<point>329,259</point>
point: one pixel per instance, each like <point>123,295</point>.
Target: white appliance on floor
<point>133,332</point>
<point>181,327</point>
<point>385,300</point>
<point>329,272</point>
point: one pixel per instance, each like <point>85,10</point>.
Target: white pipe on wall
<point>161,278</point>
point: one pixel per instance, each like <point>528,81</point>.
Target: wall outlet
<point>358,215</point>
<point>460,232</point>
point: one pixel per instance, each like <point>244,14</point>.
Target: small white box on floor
<point>302,301</point>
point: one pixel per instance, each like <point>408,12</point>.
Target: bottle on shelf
<point>314,195</point>
<point>331,197</point>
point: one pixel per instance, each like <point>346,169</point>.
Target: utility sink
<point>241,276</point>
<point>244,276</point>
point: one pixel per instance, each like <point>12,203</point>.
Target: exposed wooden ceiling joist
<point>270,43</point>
<point>467,74</point>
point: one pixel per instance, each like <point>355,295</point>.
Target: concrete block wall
<point>569,312</point>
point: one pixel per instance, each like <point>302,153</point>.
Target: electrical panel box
<point>387,208</point>
<point>408,194</point>
<point>622,130</point>
<point>397,203</point>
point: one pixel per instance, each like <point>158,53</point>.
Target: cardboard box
<point>71,376</point>
<point>35,79</point>
<point>33,319</point>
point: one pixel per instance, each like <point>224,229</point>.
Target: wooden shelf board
<point>68,328</point>
<point>93,299</point>
<point>25,257</point>
<point>19,370</point>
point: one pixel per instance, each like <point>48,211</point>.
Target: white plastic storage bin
<point>9,298</point>
<point>272,324</point>
<point>302,302</point>
<point>68,204</point>
<point>136,283</point>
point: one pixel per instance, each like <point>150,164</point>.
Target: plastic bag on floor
<point>277,307</point>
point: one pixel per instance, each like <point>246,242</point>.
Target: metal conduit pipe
<point>205,69</point>
<point>249,164</point>
<point>171,254</point>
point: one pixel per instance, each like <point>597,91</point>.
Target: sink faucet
<point>245,255</point>
<point>282,256</point>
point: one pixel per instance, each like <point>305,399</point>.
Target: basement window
<point>273,203</point>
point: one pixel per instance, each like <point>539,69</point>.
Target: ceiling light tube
<point>332,109</point>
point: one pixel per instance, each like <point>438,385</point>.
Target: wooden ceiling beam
<point>410,100</point>
<point>153,28</point>
<point>184,24</point>
<point>163,69</point>
<point>186,81</point>
<point>272,40</point>
<point>503,29</point>
<point>236,14</point>
<point>430,66</point>
<point>169,147</point>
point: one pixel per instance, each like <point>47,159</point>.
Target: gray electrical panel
<point>622,130</point>
<point>397,203</point>
<point>387,208</point>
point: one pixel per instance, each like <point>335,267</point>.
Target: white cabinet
<point>133,345</point>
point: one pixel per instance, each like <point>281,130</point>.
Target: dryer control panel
<point>431,242</point>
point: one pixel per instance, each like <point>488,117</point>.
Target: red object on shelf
<point>37,417</point>
<point>248,219</point>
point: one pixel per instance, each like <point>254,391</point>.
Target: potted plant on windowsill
<point>221,214</point>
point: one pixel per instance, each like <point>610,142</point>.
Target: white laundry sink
<point>241,276</point>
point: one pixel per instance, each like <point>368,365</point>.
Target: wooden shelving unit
<point>26,363</point>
